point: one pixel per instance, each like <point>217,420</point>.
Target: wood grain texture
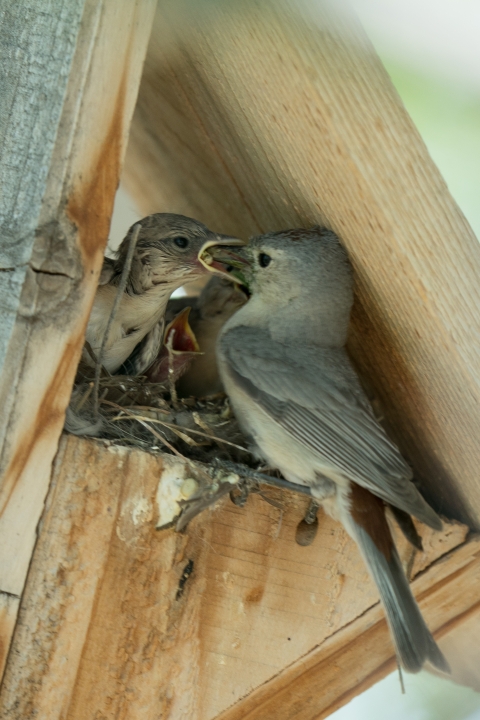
<point>258,116</point>
<point>360,655</point>
<point>36,51</point>
<point>9,605</point>
<point>103,633</point>
<point>72,71</point>
<point>63,263</point>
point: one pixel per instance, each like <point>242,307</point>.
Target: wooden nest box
<point>250,116</point>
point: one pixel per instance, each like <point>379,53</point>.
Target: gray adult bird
<point>283,363</point>
<point>170,251</point>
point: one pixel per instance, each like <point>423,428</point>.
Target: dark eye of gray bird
<point>264,260</point>
<point>283,364</point>
<point>181,242</point>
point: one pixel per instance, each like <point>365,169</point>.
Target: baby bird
<point>180,348</point>
<point>217,302</point>
<point>283,363</point>
<point>168,254</point>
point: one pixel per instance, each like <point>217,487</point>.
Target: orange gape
<point>183,340</point>
<point>184,348</point>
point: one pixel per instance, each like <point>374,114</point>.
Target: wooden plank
<point>257,117</point>
<point>61,588</point>
<point>9,605</point>
<point>103,633</point>
<point>360,655</point>
<point>73,70</point>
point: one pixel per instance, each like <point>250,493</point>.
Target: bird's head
<point>168,252</point>
<point>301,279</point>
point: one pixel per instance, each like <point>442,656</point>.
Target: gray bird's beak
<point>218,256</point>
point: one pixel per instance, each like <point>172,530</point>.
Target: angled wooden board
<point>71,72</point>
<point>359,655</point>
<point>262,116</point>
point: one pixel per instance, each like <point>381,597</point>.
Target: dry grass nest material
<point>135,412</point>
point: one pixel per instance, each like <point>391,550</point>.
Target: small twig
<point>171,370</point>
<point>245,471</point>
<point>162,439</point>
<point>174,427</point>
<point>120,290</point>
<point>89,350</point>
<point>201,423</point>
<point>149,408</point>
<point>84,398</point>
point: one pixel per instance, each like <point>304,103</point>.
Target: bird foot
<point>307,529</point>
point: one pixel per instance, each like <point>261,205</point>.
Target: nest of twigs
<point>134,412</point>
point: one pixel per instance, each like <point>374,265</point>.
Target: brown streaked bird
<point>283,363</point>
<point>170,251</point>
<point>217,302</point>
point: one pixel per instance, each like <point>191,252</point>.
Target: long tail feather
<point>367,524</point>
<point>413,640</point>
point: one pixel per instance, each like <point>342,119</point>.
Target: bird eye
<point>181,242</point>
<point>264,260</point>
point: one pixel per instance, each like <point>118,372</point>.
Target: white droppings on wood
<point>189,487</point>
<point>169,492</point>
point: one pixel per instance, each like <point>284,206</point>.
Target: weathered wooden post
<point>70,76</point>
<point>250,116</point>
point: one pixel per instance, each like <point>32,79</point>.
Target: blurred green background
<point>448,118</point>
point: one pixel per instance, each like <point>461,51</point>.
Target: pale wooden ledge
<point>359,655</point>
<point>102,633</point>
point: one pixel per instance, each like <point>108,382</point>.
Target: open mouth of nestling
<point>183,339</point>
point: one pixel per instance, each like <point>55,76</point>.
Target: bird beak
<point>184,339</point>
<point>217,256</point>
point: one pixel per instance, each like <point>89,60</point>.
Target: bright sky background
<point>431,48</point>
<point>439,37</point>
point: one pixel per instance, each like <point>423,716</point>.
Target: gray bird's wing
<point>314,394</point>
